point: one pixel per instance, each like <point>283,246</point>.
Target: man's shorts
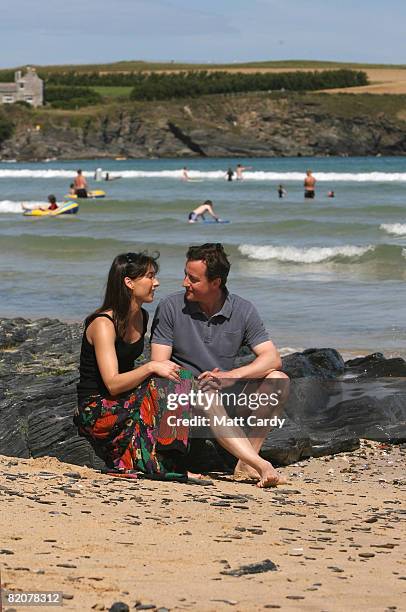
<point>192,217</point>
<point>81,193</point>
<point>309,195</point>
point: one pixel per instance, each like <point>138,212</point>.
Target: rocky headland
<point>238,125</point>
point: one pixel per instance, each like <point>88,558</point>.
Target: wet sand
<point>331,540</point>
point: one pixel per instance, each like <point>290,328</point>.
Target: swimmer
<point>200,211</point>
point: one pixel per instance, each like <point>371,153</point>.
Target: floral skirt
<point>131,431</point>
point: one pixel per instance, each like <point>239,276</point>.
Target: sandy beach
<point>333,539</point>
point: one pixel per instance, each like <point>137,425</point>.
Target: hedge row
<point>71,97</point>
<point>156,85</point>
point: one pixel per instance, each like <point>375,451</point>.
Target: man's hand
<point>216,379</point>
<point>208,381</point>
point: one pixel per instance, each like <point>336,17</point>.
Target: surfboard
<point>91,195</point>
<point>216,222</point>
<point>69,208</point>
<point>191,180</point>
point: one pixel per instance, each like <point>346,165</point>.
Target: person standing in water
<point>80,185</point>
<point>239,171</point>
<point>281,191</point>
<point>309,185</point>
<point>230,174</point>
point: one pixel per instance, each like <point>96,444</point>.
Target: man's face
<point>198,287</point>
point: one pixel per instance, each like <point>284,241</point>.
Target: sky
<point>213,31</point>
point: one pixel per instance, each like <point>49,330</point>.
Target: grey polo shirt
<point>202,343</point>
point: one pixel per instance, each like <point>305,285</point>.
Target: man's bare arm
<point>160,352</point>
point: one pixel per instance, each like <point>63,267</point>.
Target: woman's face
<point>143,288</point>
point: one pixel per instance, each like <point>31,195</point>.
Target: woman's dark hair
<point>214,257</point>
<point>52,199</point>
<point>118,296</point>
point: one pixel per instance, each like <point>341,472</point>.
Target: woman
<point>119,407</point>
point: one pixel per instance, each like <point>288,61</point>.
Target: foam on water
<point>210,175</point>
<point>396,229</point>
<point>8,206</point>
<point>308,255</point>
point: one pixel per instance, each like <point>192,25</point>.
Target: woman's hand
<point>165,369</point>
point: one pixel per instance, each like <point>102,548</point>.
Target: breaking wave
<point>361,177</point>
<point>304,255</point>
<point>8,206</point>
<point>396,229</point>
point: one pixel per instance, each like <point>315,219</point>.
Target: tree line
<point>74,89</point>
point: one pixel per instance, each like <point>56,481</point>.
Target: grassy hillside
<point>131,66</point>
<point>392,107</point>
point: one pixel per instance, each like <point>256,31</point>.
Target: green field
<point>113,92</point>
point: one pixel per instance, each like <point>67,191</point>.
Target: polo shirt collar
<point>224,311</point>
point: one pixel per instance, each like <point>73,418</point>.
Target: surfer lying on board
<point>200,211</point>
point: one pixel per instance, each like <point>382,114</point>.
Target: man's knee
<point>284,382</point>
<point>277,374</point>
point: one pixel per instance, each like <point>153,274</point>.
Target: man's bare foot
<point>270,477</point>
<point>244,471</point>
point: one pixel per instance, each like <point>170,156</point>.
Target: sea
<point>328,272</point>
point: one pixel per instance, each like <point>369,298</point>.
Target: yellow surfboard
<point>91,195</point>
<point>69,208</point>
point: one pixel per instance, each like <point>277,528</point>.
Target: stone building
<point>28,87</point>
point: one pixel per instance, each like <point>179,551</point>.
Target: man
<point>239,171</point>
<point>206,207</point>
<point>309,185</point>
<point>80,185</point>
<point>203,328</point>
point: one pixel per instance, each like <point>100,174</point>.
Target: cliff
<point>255,125</point>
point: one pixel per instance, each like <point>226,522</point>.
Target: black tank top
<point>91,382</point>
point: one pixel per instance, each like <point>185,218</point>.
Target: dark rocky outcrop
<point>238,125</point>
<point>331,403</point>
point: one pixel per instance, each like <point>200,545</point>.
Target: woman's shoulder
<point>100,321</point>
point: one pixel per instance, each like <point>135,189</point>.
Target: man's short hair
<point>214,257</point>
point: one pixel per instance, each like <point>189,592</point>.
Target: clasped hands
<point>216,379</point>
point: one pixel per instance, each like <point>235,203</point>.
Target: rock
<point>376,366</point>
<point>264,125</point>
<point>253,568</point>
<point>119,606</point>
<point>331,404</point>
<point>321,363</point>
